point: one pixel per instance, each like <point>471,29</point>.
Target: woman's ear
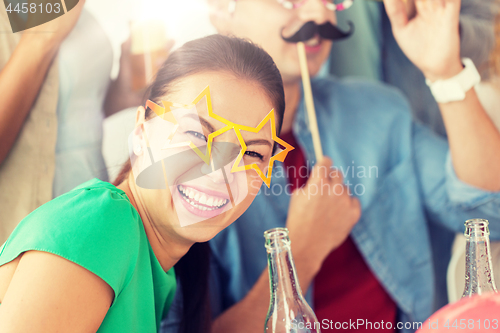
<point>221,12</point>
<point>138,141</point>
<point>140,116</point>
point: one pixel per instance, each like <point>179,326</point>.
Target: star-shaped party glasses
<point>164,112</point>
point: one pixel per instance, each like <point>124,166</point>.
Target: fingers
<point>321,171</point>
<point>438,11</point>
<point>356,208</point>
<point>452,7</point>
<point>326,181</point>
<point>433,7</point>
<point>326,161</point>
<point>396,11</point>
<point>452,3</point>
<point>428,7</point>
<point>77,9</point>
<point>336,176</point>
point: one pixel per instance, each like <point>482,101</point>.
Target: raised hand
<point>431,39</point>
<point>54,32</point>
<point>321,216</point>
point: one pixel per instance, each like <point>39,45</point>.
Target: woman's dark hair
<point>245,61</point>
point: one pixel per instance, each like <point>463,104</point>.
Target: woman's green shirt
<point>96,227</point>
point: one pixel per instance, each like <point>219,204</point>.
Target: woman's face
<point>200,199</point>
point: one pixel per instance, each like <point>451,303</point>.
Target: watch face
<point>452,91</point>
<point>455,88</point>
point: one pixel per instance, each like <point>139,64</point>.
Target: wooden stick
<point>63,2</point>
<point>308,97</point>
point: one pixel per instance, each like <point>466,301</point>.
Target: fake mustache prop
<point>326,30</point>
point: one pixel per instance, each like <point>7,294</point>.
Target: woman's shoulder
<point>92,192</point>
<point>93,225</point>
<point>92,203</point>
<point>94,210</point>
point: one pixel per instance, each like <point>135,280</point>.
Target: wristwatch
<point>454,89</point>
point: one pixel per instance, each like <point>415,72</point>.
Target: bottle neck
<point>288,310</point>
<point>479,277</point>
<point>282,273</point>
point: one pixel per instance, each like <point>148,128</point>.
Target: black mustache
<point>326,30</point>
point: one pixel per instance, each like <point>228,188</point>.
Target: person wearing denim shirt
<point>373,53</point>
<point>409,175</point>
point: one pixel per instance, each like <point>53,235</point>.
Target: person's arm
<point>477,19</point>
<point>318,222</point>
<point>20,81</point>
<point>474,143</point>
<point>51,294</point>
<point>431,41</point>
<point>23,75</point>
<point>120,94</point>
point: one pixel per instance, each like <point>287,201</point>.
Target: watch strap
<point>455,88</point>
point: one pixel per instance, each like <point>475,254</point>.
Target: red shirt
<point>345,289</point>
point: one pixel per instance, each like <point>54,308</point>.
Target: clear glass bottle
<point>288,310</point>
<point>479,277</point>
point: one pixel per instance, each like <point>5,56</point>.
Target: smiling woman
<point>100,258</point>
<point>188,130</point>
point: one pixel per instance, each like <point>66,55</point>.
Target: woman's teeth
<point>201,200</point>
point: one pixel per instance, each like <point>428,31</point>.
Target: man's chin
<point>295,76</point>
